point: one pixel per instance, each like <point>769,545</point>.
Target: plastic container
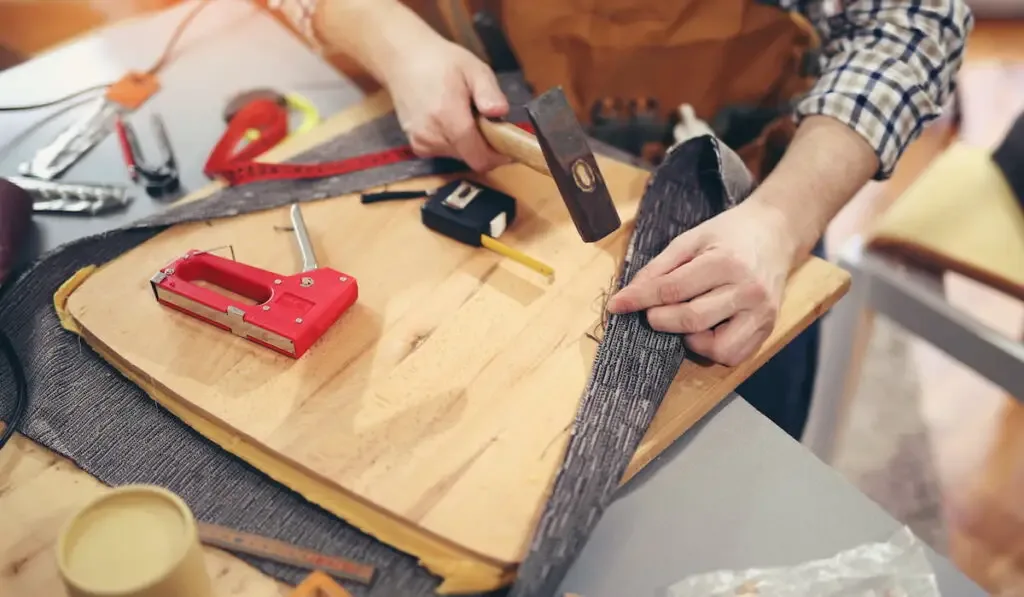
<point>133,541</point>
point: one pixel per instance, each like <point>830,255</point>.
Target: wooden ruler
<point>283,553</point>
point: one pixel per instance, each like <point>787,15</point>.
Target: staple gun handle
<point>290,312</point>
<point>200,270</point>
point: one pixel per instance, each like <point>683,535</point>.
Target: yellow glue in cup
<point>133,541</point>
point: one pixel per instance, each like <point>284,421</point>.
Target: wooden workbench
<point>39,490</point>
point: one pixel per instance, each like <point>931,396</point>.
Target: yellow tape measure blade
<point>502,249</point>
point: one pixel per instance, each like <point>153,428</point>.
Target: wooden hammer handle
<point>514,143</point>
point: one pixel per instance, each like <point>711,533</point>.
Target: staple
<point>231,248</point>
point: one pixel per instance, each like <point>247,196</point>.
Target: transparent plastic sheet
<point>898,567</point>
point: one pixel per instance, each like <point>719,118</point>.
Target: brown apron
<point>712,54</point>
<point>619,56</point>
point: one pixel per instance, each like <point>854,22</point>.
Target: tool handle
<point>15,219</point>
<point>302,236</point>
<point>514,143</point>
<point>127,148</point>
<point>242,279</point>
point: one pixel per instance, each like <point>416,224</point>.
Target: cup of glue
<point>133,541</point>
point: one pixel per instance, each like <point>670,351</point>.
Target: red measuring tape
<point>270,120</point>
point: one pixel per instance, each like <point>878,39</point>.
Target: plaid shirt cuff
<point>889,70</point>
<point>884,104</point>
<point>298,14</point>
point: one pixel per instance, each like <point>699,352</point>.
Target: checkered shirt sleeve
<point>888,66</point>
<point>298,14</point>
<point>887,69</point>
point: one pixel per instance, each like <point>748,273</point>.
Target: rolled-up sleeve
<point>888,69</point>
<point>297,14</point>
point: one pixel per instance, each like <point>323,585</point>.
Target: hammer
<point>559,150</point>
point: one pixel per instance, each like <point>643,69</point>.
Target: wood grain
<point>514,143</point>
<point>434,414</point>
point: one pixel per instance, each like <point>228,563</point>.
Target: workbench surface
<point>736,493</point>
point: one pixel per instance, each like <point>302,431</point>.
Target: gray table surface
<point>735,492</point>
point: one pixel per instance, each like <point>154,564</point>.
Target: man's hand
<point>434,83</point>
<point>720,284</point>
<point>434,91</point>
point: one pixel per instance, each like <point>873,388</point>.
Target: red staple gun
<point>291,312</point>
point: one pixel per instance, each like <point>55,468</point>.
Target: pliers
<point>158,180</point>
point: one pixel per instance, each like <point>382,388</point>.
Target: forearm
<point>377,34</point>
<point>826,164</point>
<point>885,75</point>
<point>888,68</point>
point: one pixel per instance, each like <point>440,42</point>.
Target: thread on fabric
<point>597,333</point>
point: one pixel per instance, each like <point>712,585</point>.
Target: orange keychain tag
<point>133,89</point>
<point>319,584</point>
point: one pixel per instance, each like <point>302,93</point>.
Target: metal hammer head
<point>572,165</point>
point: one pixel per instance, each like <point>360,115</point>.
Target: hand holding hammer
<point>559,150</point>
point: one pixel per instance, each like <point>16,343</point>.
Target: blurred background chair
<point>918,399</point>
<point>960,215</point>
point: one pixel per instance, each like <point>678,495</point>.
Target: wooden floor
<point>977,431</point>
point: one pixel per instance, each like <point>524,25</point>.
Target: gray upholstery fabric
<point>82,408</point>
<point>635,365</point>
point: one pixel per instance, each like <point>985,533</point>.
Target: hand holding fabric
<point>719,284</point>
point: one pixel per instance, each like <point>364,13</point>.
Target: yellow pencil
<point>503,249</point>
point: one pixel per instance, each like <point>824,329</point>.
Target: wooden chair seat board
<point>433,415</point>
<point>960,214</point>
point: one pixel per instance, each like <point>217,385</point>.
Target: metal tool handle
<point>72,198</point>
<point>74,142</point>
<point>514,143</point>
<point>170,163</point>
<point>302,235</point>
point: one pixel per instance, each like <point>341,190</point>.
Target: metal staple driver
<point>72,198</point>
